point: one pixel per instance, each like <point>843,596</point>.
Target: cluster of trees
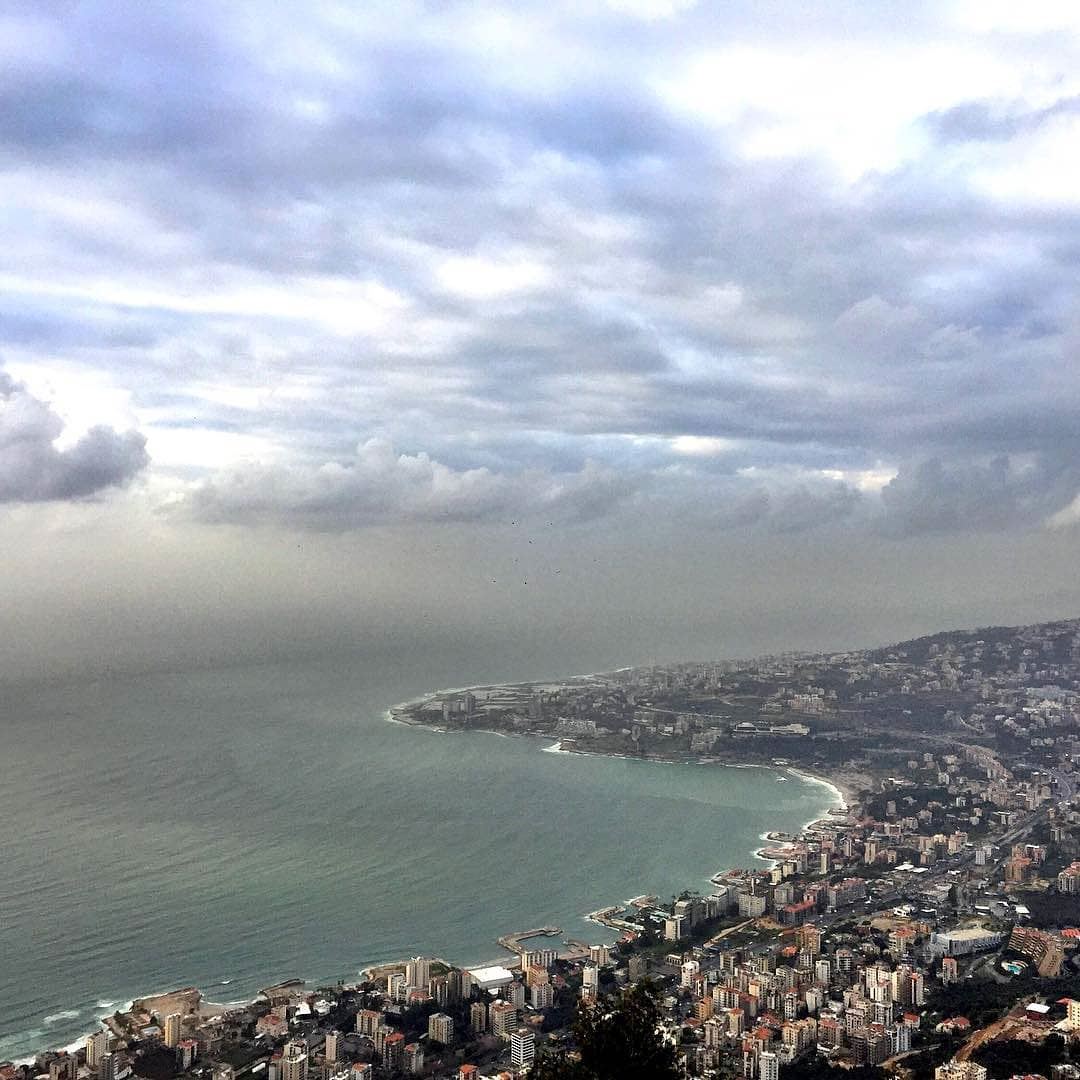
<point>616,1039</point>
<point>1015,1057</point>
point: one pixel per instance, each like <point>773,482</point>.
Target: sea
<point>231,827</point>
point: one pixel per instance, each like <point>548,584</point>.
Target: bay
<point>230,827</point>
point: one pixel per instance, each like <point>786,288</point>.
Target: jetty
<point>514,942</point>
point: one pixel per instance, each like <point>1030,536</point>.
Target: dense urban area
<point>929,928</point>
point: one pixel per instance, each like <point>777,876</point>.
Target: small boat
<point>781,779</point>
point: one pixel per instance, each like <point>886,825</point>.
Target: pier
<point>513,942</point>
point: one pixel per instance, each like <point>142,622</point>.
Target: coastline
<point>839,788</point>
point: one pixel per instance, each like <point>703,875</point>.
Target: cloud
<point>995,494</point>
<point>33,469</point>
<point>379,485</point>
<point>523,242</point>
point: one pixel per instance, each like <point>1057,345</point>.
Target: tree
<point>617,1040</point>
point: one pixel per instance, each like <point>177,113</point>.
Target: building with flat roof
<point>970,939</point>
<point>491,978</point>
<point>522,1047</point>
<point>440,1028</point>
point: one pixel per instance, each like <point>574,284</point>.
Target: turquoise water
<point>257,823</point>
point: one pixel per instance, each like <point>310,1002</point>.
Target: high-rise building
<point>542,995</point>
<point>522,1047</point>
<point>440,1028</point>
<point>96,1046</point>
<point>414,1058</point>
<point>368,1022</point>
<point>900,1038</point>
<point>446,989</point>
<point>808,937</point>
<point>418,972</point>
<point>752,904</point>
<point>515,994</point>
<point>172,1030</point>
<point>332,1049</point>
<point>590,977</point>
<point>109,1065</point>
<point>536,958</point>
<point>1044,949</point>
<point>478,1017</point>
<point>393,1052</point>
<point>186,1052</point>
<point>768,1066</point>
<point>600,955</point>
<point>294,1060</point>
<point>502,1017</point>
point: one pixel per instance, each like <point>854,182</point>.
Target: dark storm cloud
<point>500,242</point>
<point>32,469</point>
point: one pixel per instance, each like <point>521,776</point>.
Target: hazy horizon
<point>558,337</point>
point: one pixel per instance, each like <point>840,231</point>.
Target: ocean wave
<point>64,1014</point>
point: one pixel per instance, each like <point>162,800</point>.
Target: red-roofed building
<point>798,913</point>
<point>393,1053</point>
<point>957,1024</point>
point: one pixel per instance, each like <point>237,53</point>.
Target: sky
<point>566,334</point>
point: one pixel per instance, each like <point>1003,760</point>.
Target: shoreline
<point>841,792</point>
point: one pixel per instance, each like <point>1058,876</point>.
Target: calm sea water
<point>257,823</point>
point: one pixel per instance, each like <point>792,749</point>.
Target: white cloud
<point>478,277</point>
<point>701,445</point>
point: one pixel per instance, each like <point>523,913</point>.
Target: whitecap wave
<point>64,1014</point>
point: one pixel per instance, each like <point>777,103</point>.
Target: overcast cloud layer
<point>733,270</point>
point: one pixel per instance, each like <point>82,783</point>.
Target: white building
<point>491,978</point>
<point>522,1047</point>
<point>768,1066</point>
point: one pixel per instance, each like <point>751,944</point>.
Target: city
<point>929,927</point>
